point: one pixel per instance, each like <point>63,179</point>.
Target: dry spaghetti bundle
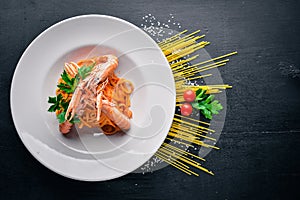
<point>187,132</point>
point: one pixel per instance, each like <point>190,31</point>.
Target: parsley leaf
<point>206,105</point>
<point>64,105</point>
<point>200,94</point>
<point>52,100</point>
<point>207,113</point>
<point>66,79</point>
<point>64,87</point>
<point>56,103</point>
<point>70,84</point>
<point>61,117</point>
<point>216,106</point>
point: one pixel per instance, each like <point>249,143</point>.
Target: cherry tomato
<point>189,95</point>
<point>186,109</point>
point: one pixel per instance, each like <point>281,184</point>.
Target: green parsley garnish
<point>61,117</point>
<point>206,104</point>
<point>56,101</point>
<point>70,84</point>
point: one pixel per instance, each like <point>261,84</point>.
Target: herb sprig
<point>70,83</point>
<point>56,101</point>
<point>206,104</point>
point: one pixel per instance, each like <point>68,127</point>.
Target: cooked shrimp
<point>112,112</point>
<point>105,67</point>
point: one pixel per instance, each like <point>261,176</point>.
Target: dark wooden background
<point>259,156</point>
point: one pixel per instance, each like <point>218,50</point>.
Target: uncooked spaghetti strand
<point>179,44</point>
<point>182,44</point>
<point>197,126</point>
<point>160,151</point>
<point>198,69</point>
<point>209,65</point>
<point>187,51</point>
<point>178,154</point>
<point>180,52</point>
<point>189,130</point>
<point>207,87</point>
<point>184,158</point>
<point>205,145</point>
<point>192,73</point>
<point>176,129</point>
<point>196,165</point>
<point>187,171</point>
<point>182,151</point>
<point>198,77</point>
<point>183,61</point>
<point>179,136</point>
<point>217,58</point>
<point>182,81</point>
<point>180,142</point>
<point>195,67</point>
<point>192,140</point>
<point>187,126</point>
<point>174,70</point>
<point>174,43</point>
<point>180,39</point>
<point>195,120</point>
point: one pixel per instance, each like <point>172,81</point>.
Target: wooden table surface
<point>259,156</point>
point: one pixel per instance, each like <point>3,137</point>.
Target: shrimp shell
<point>111,111</point>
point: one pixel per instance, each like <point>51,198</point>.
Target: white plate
<point>93,157</point>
